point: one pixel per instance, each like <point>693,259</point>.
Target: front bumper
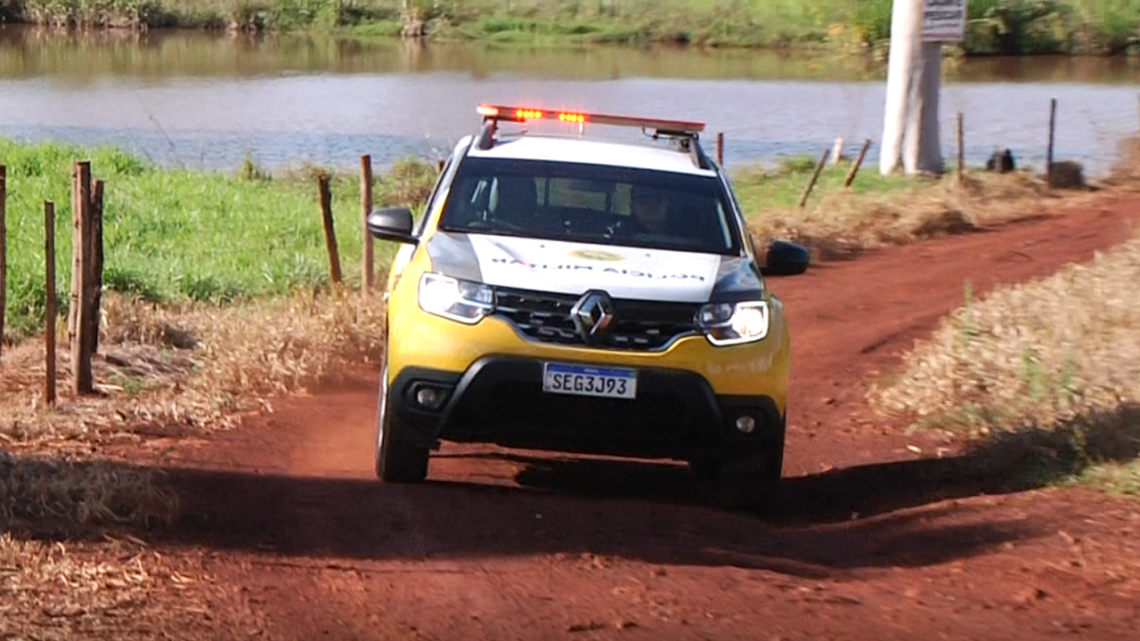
<point>500,399</point>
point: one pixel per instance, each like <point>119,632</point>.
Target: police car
<point>581,291</point>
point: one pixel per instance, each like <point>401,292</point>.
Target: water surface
<point>200,100</point>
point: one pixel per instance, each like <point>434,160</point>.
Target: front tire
<point>746,481</point>
<point>753,484</point>
<point>396,461</point>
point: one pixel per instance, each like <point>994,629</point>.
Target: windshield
<point>591,203</point>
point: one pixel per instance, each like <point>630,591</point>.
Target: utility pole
<point>923,151</point>
<point>906,33</point>
<point>914,82</point>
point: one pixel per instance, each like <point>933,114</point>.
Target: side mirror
<point>392,224</point>
<point>786,259</point>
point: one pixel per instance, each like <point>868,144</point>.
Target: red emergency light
<point>523,114</point>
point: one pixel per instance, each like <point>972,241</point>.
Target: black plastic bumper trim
<point>500,400</point>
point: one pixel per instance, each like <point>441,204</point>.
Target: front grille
<point>639,325</point>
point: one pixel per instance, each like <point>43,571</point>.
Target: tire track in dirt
<point>868,542</point>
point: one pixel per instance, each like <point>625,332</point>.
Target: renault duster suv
<point>592,295</point>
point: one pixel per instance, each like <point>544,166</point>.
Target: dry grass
<point>1126,172</point>
<point>118,590</point>
<point>844,224</point>
<point>162,372</point>
<point>69,494</point>
<point>188,369</point>
<point>1045,372</point>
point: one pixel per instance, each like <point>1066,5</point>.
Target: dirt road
<point>870,542</point>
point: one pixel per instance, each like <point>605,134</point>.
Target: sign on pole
<point>943,20</point>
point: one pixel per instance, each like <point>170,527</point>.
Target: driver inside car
<point>649,209</point>
<point>516,198</point>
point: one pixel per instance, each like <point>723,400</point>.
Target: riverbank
<point>997,27</point>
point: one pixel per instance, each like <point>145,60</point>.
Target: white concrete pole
<point>905,49</point>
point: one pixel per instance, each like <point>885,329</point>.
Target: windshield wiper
<point>489,232</point>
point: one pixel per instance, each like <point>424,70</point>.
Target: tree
<point>914,82</point>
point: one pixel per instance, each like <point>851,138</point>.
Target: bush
<point>872,21</point>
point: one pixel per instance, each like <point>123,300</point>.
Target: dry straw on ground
<point>170,372</point>
<point>188,369</point>
<point>75,493</point>
<point>162,373</point>
<point>1052,365</point>
<point>1126,173</point>
<point>1035,353</point>
<point>845,224</point>
<point>122,591</point>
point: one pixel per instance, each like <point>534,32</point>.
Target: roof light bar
<point>523,114</point>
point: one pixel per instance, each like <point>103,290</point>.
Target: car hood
<point>574,268</point>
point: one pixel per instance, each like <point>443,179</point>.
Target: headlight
<point>458,300</point>
<point>734,323</point>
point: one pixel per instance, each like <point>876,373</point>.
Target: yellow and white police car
<point>578,292</point>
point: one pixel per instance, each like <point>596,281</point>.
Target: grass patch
<point>1006,27</point>
<point>173,236</point>
<point>781,187</point>
<point>995,27</point>
<point>1044,376</point>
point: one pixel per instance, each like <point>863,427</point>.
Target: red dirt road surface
<point>869,541</point>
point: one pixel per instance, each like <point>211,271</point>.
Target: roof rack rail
<point>686,132</point>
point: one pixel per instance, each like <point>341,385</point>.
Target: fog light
<point>427,397</point>
<point>746,424</point>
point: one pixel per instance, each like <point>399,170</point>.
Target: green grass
<point>172,235</point>
<point>996,27</point>
<point>704,22</point>
<point>781,188</point>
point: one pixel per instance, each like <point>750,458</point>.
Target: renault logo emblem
<point>593,315</point>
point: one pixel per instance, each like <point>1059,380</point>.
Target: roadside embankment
<point>1005,27</point>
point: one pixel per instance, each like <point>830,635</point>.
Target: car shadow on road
<point>1005,462</point>
<point>449,519</point>
<point>870,516</point>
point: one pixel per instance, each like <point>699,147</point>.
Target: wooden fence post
<point>50,311</point>
<point>1049,152</point>
<point>858,163</point>
<point>720,148</point>
<point>96,273</point>
<point>330,232</point>
<point>3,257</point>
<point>79,321</point>
<point>814,178</point>
<point>366,206</point>
<point>837,151</point>
<point>961,149</point>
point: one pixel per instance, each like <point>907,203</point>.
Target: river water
<point>196,100</point>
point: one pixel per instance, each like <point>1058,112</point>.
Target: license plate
<point>579,380</point>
